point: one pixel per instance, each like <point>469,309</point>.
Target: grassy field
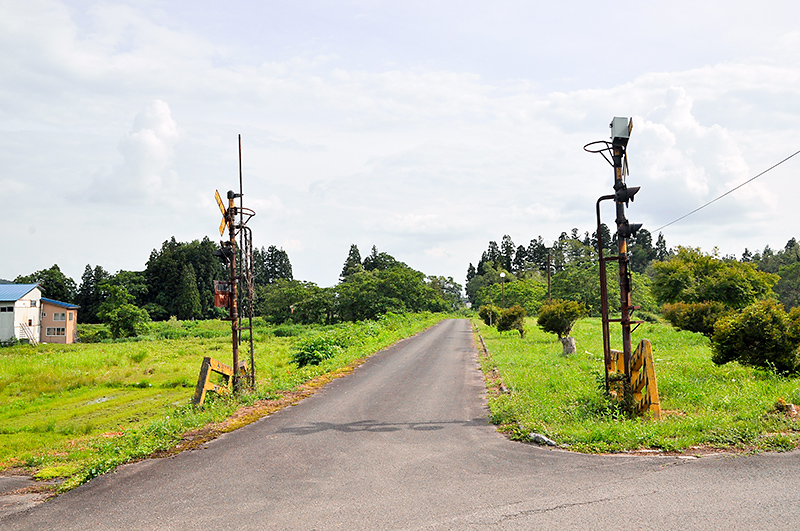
<point>704,406</point>
<point>77,411</point>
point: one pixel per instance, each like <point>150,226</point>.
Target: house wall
<point>58,331</point>
<point>6,321</point>
<point>27,310</point>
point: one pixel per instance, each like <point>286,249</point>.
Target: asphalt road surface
<point>404,443</point>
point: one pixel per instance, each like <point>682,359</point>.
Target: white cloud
<point>148,151</point>
<point>426,141</point>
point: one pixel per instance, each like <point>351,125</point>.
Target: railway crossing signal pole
<point>233,306</point>
<point>238,258</point>
<point>620,134</point>
<point>634,372</point>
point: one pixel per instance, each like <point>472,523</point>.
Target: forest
<point>661,275</point>
<point>748,306</point>
<point>178,281</point>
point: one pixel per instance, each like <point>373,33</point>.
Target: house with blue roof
<point>27,316</point>
<point>59,322</point>
<point>19,312</point>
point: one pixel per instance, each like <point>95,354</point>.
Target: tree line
<point>367,288</point>
<point>509,274</point>
<point>572,260</point>
<point>178,280</point>
<point>748,306</point>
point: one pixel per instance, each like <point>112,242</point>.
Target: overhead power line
<point>728,192</point>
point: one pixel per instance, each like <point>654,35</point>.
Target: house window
<point>44,314</point>
<point>6,308</point>
<point>30,322</point>
<point>59,316</point>
<point>70,316</point>
<point>54,331</point>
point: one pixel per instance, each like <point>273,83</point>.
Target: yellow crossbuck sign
<point>224,213</point>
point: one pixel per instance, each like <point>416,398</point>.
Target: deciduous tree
<point>788,287</point>
<point>693,276</point>
<point>52,282</point>
<point>558,317</point>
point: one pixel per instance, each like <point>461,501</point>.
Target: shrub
<point>647,317</point>
<point>313,350</point>
<point>9,342</point>
<point>526,292</point>
<point>692,276</point>
<point>558,317</point>
<point>761,335</point>
<point>512,319</point>
<point>695,316</point>
<point>490,314</point>
<point>94,333</point>
<point>173,333</point>
<point>288,330</point>
<point>127,320</point>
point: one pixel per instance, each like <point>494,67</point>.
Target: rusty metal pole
<point>603,291</point>
<point>622,245</point>
<point>233,303</point>
<point>246,269</point>
<point>620,133</point>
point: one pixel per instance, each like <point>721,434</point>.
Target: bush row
<point>761,335</point>
<point>314,349</point>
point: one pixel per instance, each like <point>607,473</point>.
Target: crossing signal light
<point>627,229</point>
<point>625,194</point>
<point>224,253</point>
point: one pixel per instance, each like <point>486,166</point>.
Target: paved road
<point>404,443</point>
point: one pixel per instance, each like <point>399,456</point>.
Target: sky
<point>425,128</point>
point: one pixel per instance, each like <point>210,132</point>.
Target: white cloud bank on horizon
<point>118,121</point>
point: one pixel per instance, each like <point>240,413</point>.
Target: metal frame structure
<point>620,133</point>
<point>240,254</point>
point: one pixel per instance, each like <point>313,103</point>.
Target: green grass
<point>77,411</point>
<point>703,405</point>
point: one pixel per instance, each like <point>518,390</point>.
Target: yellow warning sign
<point>224,212</point>
<point>219,202</point>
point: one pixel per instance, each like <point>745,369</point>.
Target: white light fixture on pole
<point>503,287</point>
